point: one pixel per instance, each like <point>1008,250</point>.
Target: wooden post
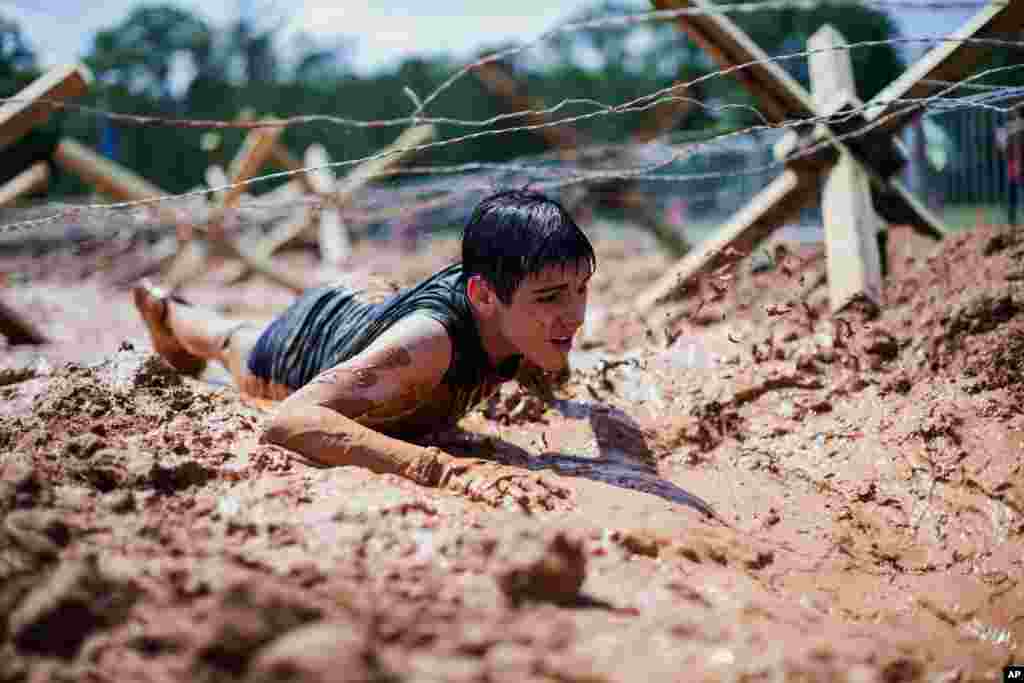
<point>110,178</point>
<point>17,329</point>
<point>864,179</point>
<point>565,139</point>
<point>851,225</point>
<point>335,197</point>
<point>781,98</point>
<point>950,61</point>
<point>335,241</point>
<point>23,113</point>
<point>192,256</point>
<point>786,195</point>
<point>35,177</point>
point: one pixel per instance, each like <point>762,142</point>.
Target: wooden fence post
<point>851,224</point>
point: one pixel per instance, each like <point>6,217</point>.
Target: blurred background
<point>213,60</point>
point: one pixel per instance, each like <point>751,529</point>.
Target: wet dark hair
<point>517,233</point>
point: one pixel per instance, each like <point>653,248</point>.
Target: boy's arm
<point>406,363</point>
<point>317,422</point>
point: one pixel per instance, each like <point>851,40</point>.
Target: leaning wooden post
<point>18,116</point>
<point>337,195</point>
<point>786,195</point>
<point>875,154</point>
<point>16,329</point>
<point>35,177</point>
<point>192,256</point>
<point>851,224</point>
<point>25,111</point>
<point>110,178</point>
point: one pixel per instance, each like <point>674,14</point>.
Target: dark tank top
<point>329,325</point>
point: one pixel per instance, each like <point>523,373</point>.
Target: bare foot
<point>152,304</point>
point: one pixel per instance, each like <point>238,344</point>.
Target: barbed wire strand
<point>637,104</point>
<point>415,119</point>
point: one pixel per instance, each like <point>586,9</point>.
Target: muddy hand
<point>500,485</point>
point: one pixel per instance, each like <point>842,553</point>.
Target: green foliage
<point>162,61</point>
<point>785,32</point>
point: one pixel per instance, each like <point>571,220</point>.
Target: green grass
<point>966,216</point>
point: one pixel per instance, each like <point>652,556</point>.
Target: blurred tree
<point>15,53</point>
<point>140,54</point>
<point>785,32</point>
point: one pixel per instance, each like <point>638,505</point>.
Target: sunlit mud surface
<point>758,491</point>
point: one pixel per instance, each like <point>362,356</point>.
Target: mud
<point>744,488</point>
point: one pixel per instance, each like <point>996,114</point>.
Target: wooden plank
<point>783,197</point>
<point>780,96</point>
<point>851,242</point>
<point>35,177</point>
<point>17,329</point>
<point>284,159</point>
<point>898,205</point>
<point>362,174</point>
<point>254,153</point>
<point>24,112</point>
<point>949,61</point>
<point>333,237</point>
<point>110,178</point>
<point>565,138</point>
<point>831,70</point>
<point>851,224</point>
<point>391,156</point>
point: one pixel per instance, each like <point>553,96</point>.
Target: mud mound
<point>738,486</point>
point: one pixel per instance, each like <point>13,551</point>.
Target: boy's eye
<point>548,298</point>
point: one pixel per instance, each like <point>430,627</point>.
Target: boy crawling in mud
<point>358,378</point>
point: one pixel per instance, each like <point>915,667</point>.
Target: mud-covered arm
<point>318,422</point>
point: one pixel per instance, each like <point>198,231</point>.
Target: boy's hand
<point>489,482</point>
<point>501,485</point>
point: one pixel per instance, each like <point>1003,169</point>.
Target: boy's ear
<point>481,294</point>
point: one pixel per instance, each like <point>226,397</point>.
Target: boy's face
<point>545,313</point>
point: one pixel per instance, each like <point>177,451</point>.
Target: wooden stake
<point>950,61</point>
<point>35,177</point>
<point>111,178</point>
<point>851,224</point>
<point>338,197</point>
<point>565,139</point>
<point>786,195</point>
<point>24,112</point>
<point>17,329</point>
<point>851,229</point>
<point>192,257</point>
<point>780,96</point>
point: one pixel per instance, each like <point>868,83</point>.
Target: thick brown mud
<point>757,491</point>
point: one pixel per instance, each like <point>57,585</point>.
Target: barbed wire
<point>539,176</point>
<point>639,104</point>
<point>565,175</point>
<point>573,176</point>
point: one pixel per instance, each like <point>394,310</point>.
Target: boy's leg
<point>188,336</point>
